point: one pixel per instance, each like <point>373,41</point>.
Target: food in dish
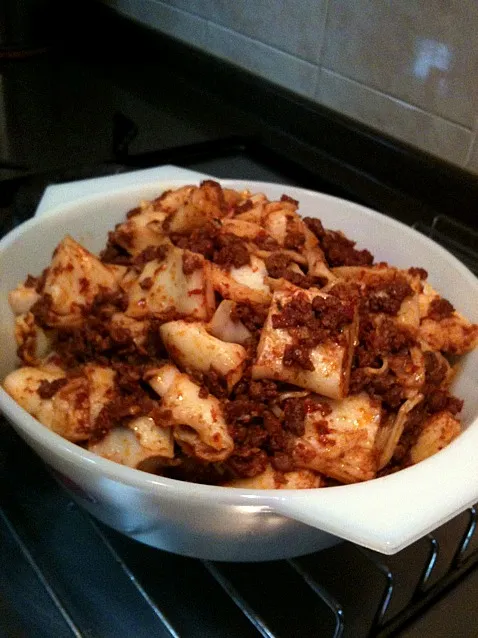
<point>221,338</point>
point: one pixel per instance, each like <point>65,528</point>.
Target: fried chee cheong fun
<point>221,338</point>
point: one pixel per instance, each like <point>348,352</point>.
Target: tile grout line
<point>261,43</point>
<point>315,94</point>
<point>474,134</point>
<point>400,101</point>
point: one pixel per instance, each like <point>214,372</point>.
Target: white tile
<point>425,53</point>
<point>293,26</point>
<point>396,118</point>
<point>175,22</point>
<point>278,67</point>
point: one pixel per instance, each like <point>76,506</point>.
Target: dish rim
<point>310,506</point>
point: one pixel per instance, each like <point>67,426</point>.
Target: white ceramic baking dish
<point>234,524</point>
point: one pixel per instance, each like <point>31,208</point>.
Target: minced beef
<point>294,240</point>
<point>121,236</point>
<point>31,282</point>
<point>282,462</point>
<point>96,341</point>
<point>340,251</point>
<point>212,382</point>
<point>263,390</point>
<point>315,225</point>
<point>265,241</point>
<point>247,462</point>
<point>153,345</point>
<point>311,323</point>
<point>323,313</point>
<point>314,403</point>
<point>298,312</point>
<point>114,253</point>
<point>376,341</point>
<point>387,296</point>
<point>243,207</point>
<point>418,272</point>
<point>84,285</point>
<point>194,470</point>
<point>191,262</point>
<point>214,194</point>
<point>215,383</point>
<point>48,389</point>
<point>359,379</point>
<point>278,438</point>
<point>41,310</point>
<point>252,316</point>
<point>294,416</point>
<point>287,198</point>
<point>436,400</point>
<point>121,409</point>
<point>242,410</point>
<point>128,376</point>
<point>89,342</point>
<point>146,283</point>
<point>385,387</point>
<point>252,435</point>
<point>365,358</point>
<point>203,392</point>
<point>303,281</point>
<point>297,355</point>
<point>133,212</point>
<point>440,309</point>
<point>383,338</point>
<point>200,240</point>
<point>323,432</point>
<point>348,292</point>
<point>232,252</point>
<point>150,253</point>
<point>454,405</point>
<point>277,264</point>
<point>259,435</point>
<point>106,303</point>
<point>435,369</point>
<point>332,312</point>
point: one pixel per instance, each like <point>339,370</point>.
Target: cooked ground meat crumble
<point>290,297</point>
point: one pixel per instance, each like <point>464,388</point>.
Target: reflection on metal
<point>328,599</point>
<point>258,622</point>
<point>434,548</point>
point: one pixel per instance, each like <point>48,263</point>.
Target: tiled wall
<point>407,68</point>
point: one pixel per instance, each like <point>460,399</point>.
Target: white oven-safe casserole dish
<point>235,524</point>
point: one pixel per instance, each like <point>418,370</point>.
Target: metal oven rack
<point>62,574</point>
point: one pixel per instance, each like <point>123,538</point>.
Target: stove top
<point>64,574</point>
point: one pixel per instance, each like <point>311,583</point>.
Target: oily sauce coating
<point>321,363</point>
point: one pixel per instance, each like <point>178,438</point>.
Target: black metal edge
<point>422,603</point>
